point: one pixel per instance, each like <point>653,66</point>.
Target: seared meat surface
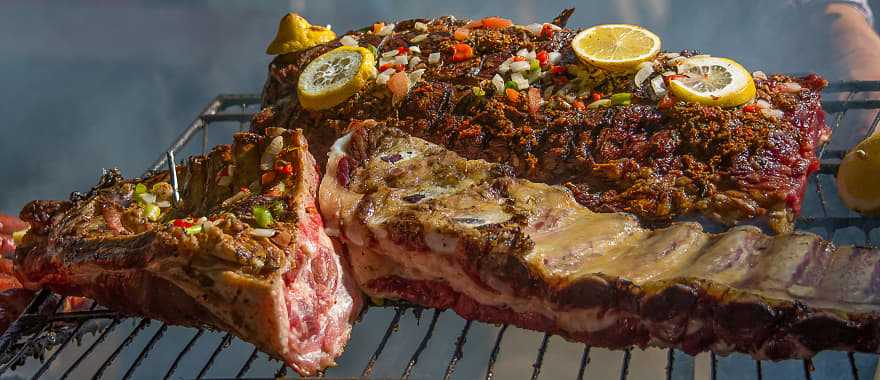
<point>658,158</point>
<point>425,225</point>
<point>244,251</point>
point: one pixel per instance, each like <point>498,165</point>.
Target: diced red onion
<point>433,58</point>
<point>659,86</point>
<point>415,49</point>
<point>520,66</point>
<point>420,26</point>
<point>790,87</point>
<point>763,104</point>
<point>645,70</point>
<point>414,61</point>
<point>498,82</point>
<point>390,53</point>
<point>419,38</point>
<point>773,113</point>
<point>401,59</point>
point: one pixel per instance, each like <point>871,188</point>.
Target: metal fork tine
<point>808,369</point>
<point>172,170</point>
<point>539,361</point>
<point>585,360</point>
<point>368,370</point>
<point>713,364</point>
<point>490,369</point>
<point>759,369</point>
<point>459,350</point>
<point>424,343</point>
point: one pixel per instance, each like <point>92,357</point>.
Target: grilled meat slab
<point>282,289</point>
<point>657,158</point>
<point>425,225</point>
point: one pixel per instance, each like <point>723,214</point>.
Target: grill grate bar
<point>183,353</point>
<point>759,369</point>
<point>91,348</point>
<point>247,363</point>
<point>852,365</point>
<point>63,345</point>
<point>30,342</point>
<point>145,351</point>
<point>713,365</point>
<point>585,360</point>
<point>670,362</point>
<point>140,326</point>
<point>220,347</point>
<point>368,370</point>
<point>624,367</point>
<point>459,350</point>
<point>422,345</point>
<point>493,356</point>
<point>808,369</point>
<point>539,361</point>
<point>282,371</point>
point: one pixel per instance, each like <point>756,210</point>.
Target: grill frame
<point>27,335</point>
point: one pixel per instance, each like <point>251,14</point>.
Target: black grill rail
<point>46,342</point>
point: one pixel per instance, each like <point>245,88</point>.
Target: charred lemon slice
<point>616,47</point>
<point>335,76</point>
<point>295,33</point>
<point>713,81</point>
<point>857,177</point>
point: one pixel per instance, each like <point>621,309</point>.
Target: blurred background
<point>86,85</point>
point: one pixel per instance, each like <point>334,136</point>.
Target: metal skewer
<point>175,196</point>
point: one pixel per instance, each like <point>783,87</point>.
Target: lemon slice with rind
<point>857,177</point>
<point>616,47</point>
<point>713,81</point>
<point>335,76</point>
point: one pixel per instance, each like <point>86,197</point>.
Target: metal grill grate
<point>99,343</point>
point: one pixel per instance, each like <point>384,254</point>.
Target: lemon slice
<point>616,47</point>
<point>714,82</point>
<point>857,177</point>
<point>295,33</point>
<point>335,76</point>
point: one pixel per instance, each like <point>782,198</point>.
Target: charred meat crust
<point>774,297</point>
<point>728,165</point>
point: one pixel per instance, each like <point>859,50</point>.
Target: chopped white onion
<point>415,49</point>
<point>147,198</point>
<point>523,53</point>
<point>390,53</point>
<point>433,58</point>
<point>419,38</point>
<point>534,28</point>
<point>401,59</point>
<point>348,41</point>
<point>763,104</point>
<point>644,72</point>
<point>382,79</point>
<point>677,60</point>
<point>271,151</point>
<point>521,83</point>
<point>505,66</point>
<point>166,204</point>
<point>659,86</point>
<point>520,66</point>
<point>415,76</point>
<point>414,61</point>
<point>759,75</point>
<point>498,82</point>
<point>262,232</point>
<point>790,87</point>
<point>389,71</point>
<point>554,57</point>
<point>773,113</point>
<point>420,26</point>
<point>386,30</point>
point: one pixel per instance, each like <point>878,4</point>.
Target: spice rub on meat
<point>244,250</point>
<point>655,156</point>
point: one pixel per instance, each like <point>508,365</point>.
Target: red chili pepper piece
<point>595,96</point>
<point>519,59</point>
<point>547,31</point>
<point>399,67</point>
<point>751,108</point>
<point>385,67</point>
<point>402,50</point>
<point>286,169</point>
<point>543,57</point>
<point>666,102</point>
<point>182,223</point>
<point>558,69</point>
